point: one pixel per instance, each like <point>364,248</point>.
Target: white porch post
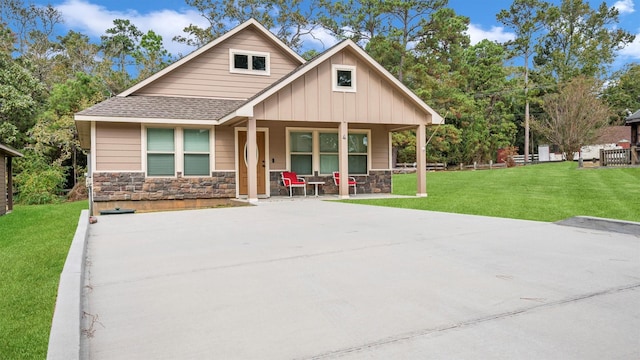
<point>421,159</point>
<point>252,161</point>
<point>343,160</point>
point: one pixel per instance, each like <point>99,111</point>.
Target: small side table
<point>315,185</point>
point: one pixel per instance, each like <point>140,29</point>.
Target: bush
<point>38,182</point>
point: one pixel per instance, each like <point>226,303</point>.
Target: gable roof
<point>613,135</point>
<point>247,108</point>
<point>160,107</point>
<point>9,151</point>
<point>205,48</point>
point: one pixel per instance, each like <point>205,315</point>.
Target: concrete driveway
<point>317,279</point>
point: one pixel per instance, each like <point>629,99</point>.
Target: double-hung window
<point>317,150</point>
<point>328,152</point>
<point>161,152</point>
<point>196,152</point>
<point>301,149</point>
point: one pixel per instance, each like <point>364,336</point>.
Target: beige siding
<point>225,148</point>
<point>3,185</point>
<point>379,147</point>
<point>208,74</point>
<point>311,98</point>
<point>118,147</point>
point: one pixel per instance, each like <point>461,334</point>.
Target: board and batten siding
<point>311,98</point>
<point>208,74</point>
<point>3,184</point>
<point>118,147</point>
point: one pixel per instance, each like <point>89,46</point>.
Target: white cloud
<point>624,6</point>
<point>632,50</point>
<point>319,39</point>
<point>496,33</point>
<point>93,20</point>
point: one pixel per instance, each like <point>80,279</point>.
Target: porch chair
<point>351,179</point>
<point>290,180</point>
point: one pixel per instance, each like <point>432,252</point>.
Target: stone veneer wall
<point>118,186</point>
<point>377,182</point>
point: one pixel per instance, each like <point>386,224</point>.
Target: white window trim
<point>334,78</point>
<point>184,152</point>
<point>315,156</point>
<point>250,54</point>
<point>145,152</point>
<point>178,150</point>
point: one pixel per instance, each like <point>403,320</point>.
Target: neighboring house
<point>6,185</point>
<point>610,137</point>
<point>224,121</point>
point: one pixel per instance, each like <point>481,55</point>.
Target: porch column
<point>9,184</point>
<point>343,160</point>
<point>252,161</point>
<point>421,159</point>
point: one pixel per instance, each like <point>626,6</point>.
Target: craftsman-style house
<point>225,121</point>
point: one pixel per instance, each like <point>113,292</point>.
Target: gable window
<point>343,78</point>
<point>160,152</point>
<point>196,152</point>
<point>249,62</point>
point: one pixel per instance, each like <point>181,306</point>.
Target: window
<point>301,148</point>
<point>328,152</point>
<point>196,152</point>
<point>343,78</point>
<point>249,62</point>
<point>160,152</point>
<point>358,150</point>
<point>172,151</point>
<point>317,150</point>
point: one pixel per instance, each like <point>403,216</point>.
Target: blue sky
<point>169,17</point>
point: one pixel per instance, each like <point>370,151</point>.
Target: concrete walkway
<point>318,279</point>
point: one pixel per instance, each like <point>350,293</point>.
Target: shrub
<point>38,182</point>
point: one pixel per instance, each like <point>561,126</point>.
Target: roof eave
<point>10,151</point>
<point>85,118</point>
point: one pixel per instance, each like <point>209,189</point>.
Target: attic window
<point>249,62</point>
<point>343,78</point>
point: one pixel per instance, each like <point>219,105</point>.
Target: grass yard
<point>34,241</point>
<point>544,192</point>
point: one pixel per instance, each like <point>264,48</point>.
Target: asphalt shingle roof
<point>163,107</point>
<point>633,118</point>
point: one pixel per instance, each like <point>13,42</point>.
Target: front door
<point>242,163</point>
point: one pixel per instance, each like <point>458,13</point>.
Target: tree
<point>54,135</point>
<point>524,17</point>
<point>21,94</point>
<point>623,93</point>
<point>579,40</point>
<point>150,55</point>
<point>405,21</point>
<point>33,26</point>
<point>289,19</point>
<point>74,53</point>
<point>573,115</point>
<point>358,20</point>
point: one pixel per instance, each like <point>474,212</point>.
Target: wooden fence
<point>615,157</point>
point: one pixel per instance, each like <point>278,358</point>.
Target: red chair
<point>352,180</point>
<point>290,180</point>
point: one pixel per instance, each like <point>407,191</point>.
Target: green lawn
<point>544,192</point>
<point>34,241</point>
